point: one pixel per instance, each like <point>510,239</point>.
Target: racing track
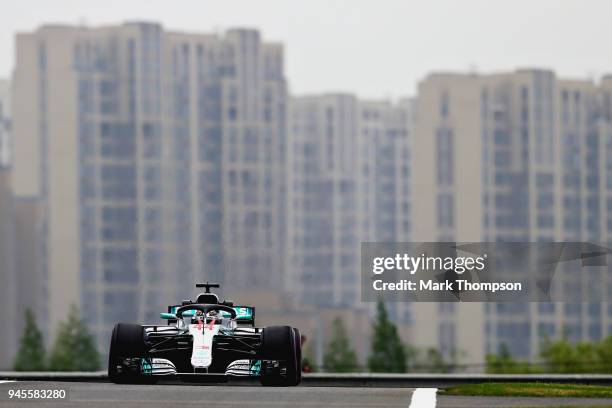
<point>222,396</point>
<point>104,394</point>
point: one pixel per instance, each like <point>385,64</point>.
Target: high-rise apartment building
<point>349,183</point>
<point>5,123</point>
<point>511,157</point>
<point>8,292</point>
<point>324,214</point>
<point>385,135</point>
<point>156,159</point>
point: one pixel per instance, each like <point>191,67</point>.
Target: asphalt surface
<point>225,396</point>
<point>103,394</point>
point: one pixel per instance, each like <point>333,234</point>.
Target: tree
<point>503,363</point>
<point>604,352</point>
<point>388,353</point>
<point>563,357</point>
<point>558,357</point>
<point>74,348</point>
<point>308,360</point>
<point>434,361</point>
<point>412,358</point>
<point>339,355</point>
<point>31,355</point>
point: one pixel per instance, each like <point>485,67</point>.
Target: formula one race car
<point>206,339</point>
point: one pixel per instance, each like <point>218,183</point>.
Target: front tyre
<point>297,338</point>
<point>281,350</point>
<point>127,342</point>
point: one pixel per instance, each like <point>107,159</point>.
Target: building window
<point>445,153</point>
<point>444,105</point>
<point>446,208</point>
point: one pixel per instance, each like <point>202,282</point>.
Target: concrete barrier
<point>54,376</point>
<point>350,379</point>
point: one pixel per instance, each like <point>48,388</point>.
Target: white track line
<point>3,382</point>
<point>424,398</point>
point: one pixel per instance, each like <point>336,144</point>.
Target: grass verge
<point>533,389</point>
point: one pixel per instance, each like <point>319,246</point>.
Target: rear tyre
<point>127,341</point>
<point>281,352</point>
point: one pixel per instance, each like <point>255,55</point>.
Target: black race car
<point>205,339</point>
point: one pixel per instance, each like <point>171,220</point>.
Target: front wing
<point>169,351</point>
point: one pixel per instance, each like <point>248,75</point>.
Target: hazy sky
<point>376,48</point>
